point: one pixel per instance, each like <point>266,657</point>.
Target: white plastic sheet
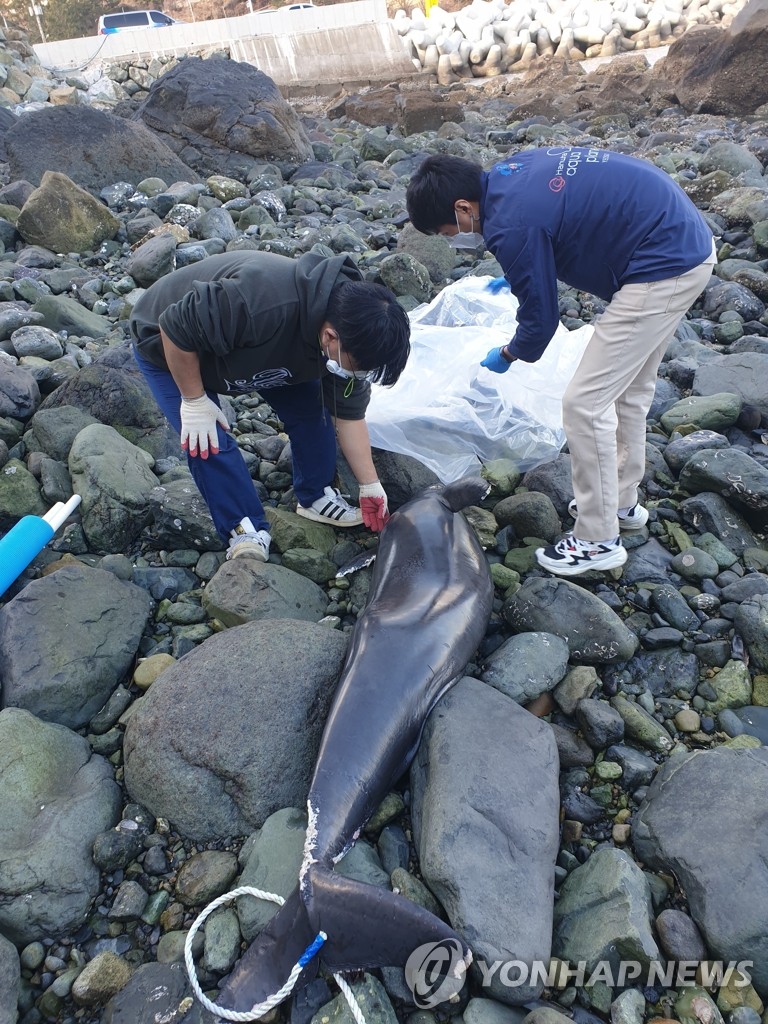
<point>452,414</point>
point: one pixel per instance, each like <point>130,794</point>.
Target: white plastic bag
<point>452,414</point>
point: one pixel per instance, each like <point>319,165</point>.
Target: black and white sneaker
<point>571,556</point>
<point>634,519</point>
<point>333,509</point>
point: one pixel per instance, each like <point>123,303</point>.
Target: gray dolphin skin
<point>427,611</point>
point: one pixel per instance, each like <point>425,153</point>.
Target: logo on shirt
<point>264,379</point>
<point>571,158</point>
<point>557,184</point>
<point>509,168</point>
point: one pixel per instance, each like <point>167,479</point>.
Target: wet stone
<point>663,636</point>
<point>393,848</point>
<point>600,724</point>
<point>641,726</point>
<point>577,685</point>
<point>679,937</point>
<point>673,607</point>
<point>695,565</point>
<point>572,750</point>
<point>129,902</point>
<point>638,769</point>
<point>205,876</point>
<point>755,721</point>
<point>730,723</point>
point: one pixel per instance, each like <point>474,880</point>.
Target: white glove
<point>199,417</point>
<point>374,505</point>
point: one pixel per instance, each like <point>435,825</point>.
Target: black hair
<point>435,187</point>
<point>373,327</point>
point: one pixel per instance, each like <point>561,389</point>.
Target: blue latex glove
<point>496,362</point>
<point>498,284</point>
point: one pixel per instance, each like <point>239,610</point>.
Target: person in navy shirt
<point>604,223</point>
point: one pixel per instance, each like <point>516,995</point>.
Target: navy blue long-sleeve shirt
<point>594,219</point>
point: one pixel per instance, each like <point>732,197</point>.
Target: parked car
<point>298,7</point>
<point>123,20</point>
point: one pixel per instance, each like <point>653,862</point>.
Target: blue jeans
<point>224,480</point>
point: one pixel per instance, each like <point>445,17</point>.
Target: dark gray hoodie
<point>253,318</point>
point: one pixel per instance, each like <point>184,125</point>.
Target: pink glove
<point>373,505</point>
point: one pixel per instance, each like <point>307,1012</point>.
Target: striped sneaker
<point>571,556</point>
<point>634,519</point>
<point>332,509</point>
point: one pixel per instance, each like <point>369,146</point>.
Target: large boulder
<point>67,641</point>
<point>229,735</point>
<point>594,632</point>
<point>245,589</point>
<point>19,393</point>
<point>19,494</point>
<point>7,120</point>
<point>734,475</point>
<point>61,313</point>
<point>56,797</point>
<point>478,836</point>
<point>717,71</point>
<point>413,110</point>
<point>52,431</point>
<point>604,913</point>
<point>10,978</point>
<point>64,217</point>
<point>705,820</point>
<point>157,992</point>
<point>741,373</point>
<point>115,480</point>
<point>113,149</point>
<point>113,391</point>
<point>212,109</point>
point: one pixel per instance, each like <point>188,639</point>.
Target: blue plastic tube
<point>28,538</point>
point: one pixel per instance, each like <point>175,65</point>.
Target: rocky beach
<point>592,791</point>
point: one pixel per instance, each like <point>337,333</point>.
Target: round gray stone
<point>594,633</point>
<point>262,693</point>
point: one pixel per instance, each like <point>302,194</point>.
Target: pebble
<point>204,877</point>
<point>679,937</point>
<point>687,720</point>
<point>100,979</point>
<point>149,669</point>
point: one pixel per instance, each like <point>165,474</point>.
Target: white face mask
<point>466,239</point>
<point>334,367</point>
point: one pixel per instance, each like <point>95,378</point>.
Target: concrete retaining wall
<point>322,44</point>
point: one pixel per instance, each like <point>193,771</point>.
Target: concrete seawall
<point>302,48</point>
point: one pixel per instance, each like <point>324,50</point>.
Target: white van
<point>120,22</point>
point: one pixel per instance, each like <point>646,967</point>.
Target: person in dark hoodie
<point>309,335</point>
<point>604,223</point>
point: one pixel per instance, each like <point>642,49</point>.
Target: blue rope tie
<point>312,949</point>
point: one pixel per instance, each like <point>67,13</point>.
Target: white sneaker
<point>246,540</point>
<point>571,556</point>
<point>332,509</point>
<point>635,519</point>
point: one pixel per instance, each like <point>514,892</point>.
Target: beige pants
<point>607,401</point>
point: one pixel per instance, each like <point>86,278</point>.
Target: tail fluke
<point>367,926</point>
<point>266,964</point>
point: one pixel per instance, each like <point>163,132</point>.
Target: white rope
<point>260,1009</point>
<point>349,995</point>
